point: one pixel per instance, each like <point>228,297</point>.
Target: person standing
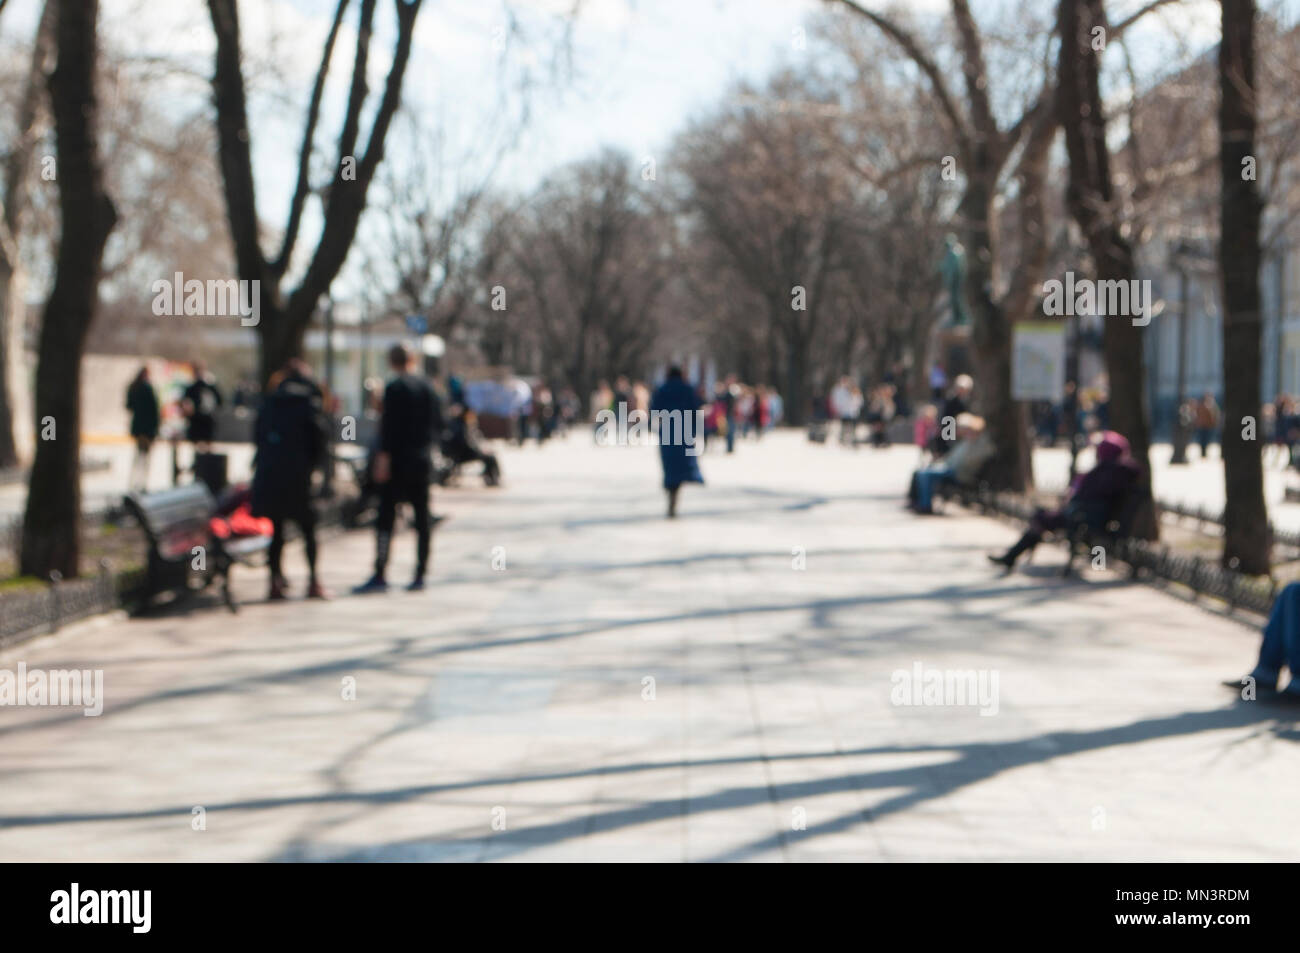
<point>199,403</point>
<point>403,467</point>
<point>142,402</point>
<point>291,444</point>
<point>675,404</point>
<point>938,382</point>
<point>730,395</point>
<point>1206,417</point>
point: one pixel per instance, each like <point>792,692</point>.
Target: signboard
<point>1038,360</point>
<point>417,323</point>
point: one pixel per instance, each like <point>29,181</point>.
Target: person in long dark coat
<point>142,402</point>
<point>678,434</point>
<point>291,445</point>
<point>200,403</point>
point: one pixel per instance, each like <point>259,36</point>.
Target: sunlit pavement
<point>586,680</point>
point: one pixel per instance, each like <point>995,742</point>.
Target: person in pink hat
<point>1091,499</point>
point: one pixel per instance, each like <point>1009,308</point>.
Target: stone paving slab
<point>507,714</point>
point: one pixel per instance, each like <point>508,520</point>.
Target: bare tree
<point>1246,538</point>
<point>286,313</point>
<point>51,523</point>
<point>591,251</point>
<point>1092,200</point>
<point>984,149</point>
<point>15,405</point>
<point>767,186</point>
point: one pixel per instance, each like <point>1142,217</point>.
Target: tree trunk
<point>1246,535</point>
<point>279,338</point>
<point>15,395</point>
<point>1090,197</point>
<point>15,400</point>
<point>289,313</point>
<point>51,522</point>
<point>796,381</point>
<point>1006,420</point>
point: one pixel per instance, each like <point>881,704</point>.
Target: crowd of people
<point>292,437</point>
<point>732,410</point>
<point>292,440</point>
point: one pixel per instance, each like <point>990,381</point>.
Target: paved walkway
<point>509,713</point>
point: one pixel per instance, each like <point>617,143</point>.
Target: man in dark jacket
<point>291,445</point>
<point>410,427</point>
<point>199,403</point>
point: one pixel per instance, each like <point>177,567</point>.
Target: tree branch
<point>1118,29</point>
<point>976,74</point>
<point>357,94</point>
<point>348,197</point>
<point>910,46</point>
<point>281,262</point>
<point>234,141</point>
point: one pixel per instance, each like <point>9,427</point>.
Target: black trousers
<point>306,520</point>
<point>408,483</point>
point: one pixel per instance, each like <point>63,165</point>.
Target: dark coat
<point>679,466</point>
<point>1101,489</point>
<point>205,398</point>
<point>291,444</point>
<point>143,404</point>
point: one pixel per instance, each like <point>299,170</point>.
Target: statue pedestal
<point>952,348</point>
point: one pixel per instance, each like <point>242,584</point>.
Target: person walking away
<point>730,395</point>
<point>842,408</point>
<point>291,439</point>
<point>675,404</point>
<point>410,426</point>
<point>762,413</point>
<point>200,403</point>
<point>1206,419</point>
<point>776,407</point>
<point>142,402</point>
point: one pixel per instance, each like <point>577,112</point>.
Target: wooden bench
<point>968,494</point>
<point>184,554</point>
<point>1111,535</point>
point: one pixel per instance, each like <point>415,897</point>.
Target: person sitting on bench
<point>961,465</point>
<point>1281,647</point>
<point>1091,500</point>
<point>460,444</point>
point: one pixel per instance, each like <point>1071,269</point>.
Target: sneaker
<point>317,591</point>
<point>373,584</point>
<point>417,585</point>
<point>278,591</point>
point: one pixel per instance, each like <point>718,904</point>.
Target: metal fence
<point>1239,591</point>
<point>41,609</point>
